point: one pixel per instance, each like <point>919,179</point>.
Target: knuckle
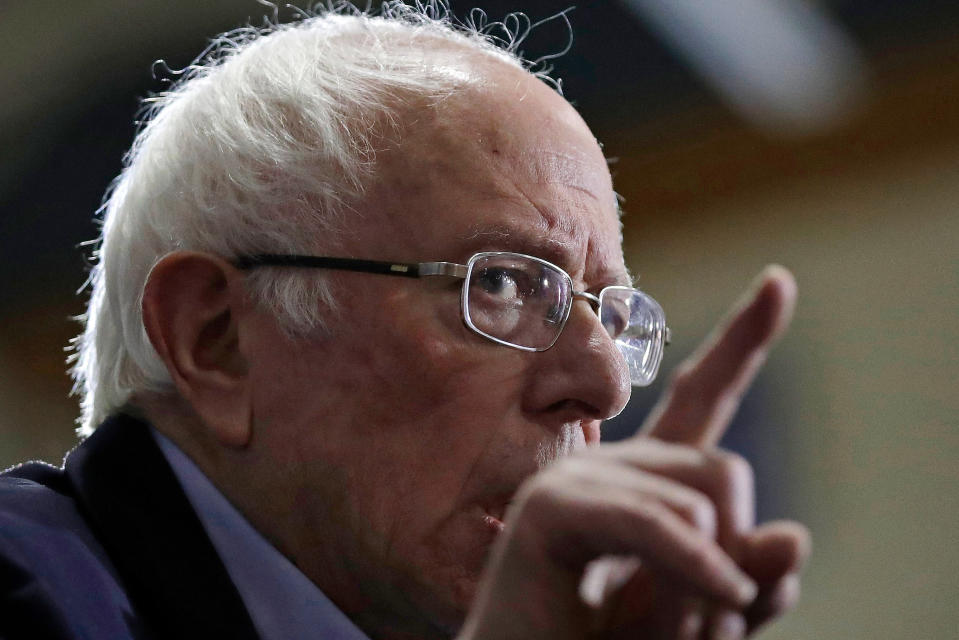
<point>702,515</point>
<point>778,600</point>
<point>537,495</point>
<point>788,593</point>
<point>652,515</point>
<point>733,470</point>
<point>536,506</point>
<point>578,469</point>
<point>695,508</point>
<point>546,494</point>
<point>690,624</point>
<point>701,561</point>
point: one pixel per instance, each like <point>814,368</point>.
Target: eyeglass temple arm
<point>406,269</point>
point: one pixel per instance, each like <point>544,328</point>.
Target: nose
<point>583,371</point>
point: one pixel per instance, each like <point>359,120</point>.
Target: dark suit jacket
<point>109,547</point>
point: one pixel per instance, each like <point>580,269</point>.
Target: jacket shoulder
<point>37,494</point>
<point>56,580</point>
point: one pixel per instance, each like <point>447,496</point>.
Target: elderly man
<point>360,291</point>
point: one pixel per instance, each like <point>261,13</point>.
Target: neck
<point>271,496</point>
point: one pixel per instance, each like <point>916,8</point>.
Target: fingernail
<point>727,625</point>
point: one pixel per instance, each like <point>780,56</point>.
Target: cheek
<point>428,357</point>
<point>440,397</point>
<point>453,373</point>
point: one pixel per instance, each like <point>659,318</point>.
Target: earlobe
<point>192,307</point>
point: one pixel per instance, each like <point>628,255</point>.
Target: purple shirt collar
<point>283,603</point>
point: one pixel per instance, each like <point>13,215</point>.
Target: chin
<point>457,557</point>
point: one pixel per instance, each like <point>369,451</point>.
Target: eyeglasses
<point>522,302</point>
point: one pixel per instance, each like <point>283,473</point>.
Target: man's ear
<point>192,304</point>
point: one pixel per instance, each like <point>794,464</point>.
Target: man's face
<point>398,441</point>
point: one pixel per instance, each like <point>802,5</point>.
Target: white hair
<point>260,147</point>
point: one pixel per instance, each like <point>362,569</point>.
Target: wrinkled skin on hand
<point>654,537</point>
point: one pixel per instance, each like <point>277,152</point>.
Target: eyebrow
<point>504,238</point>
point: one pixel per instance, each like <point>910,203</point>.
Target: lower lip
<point>494,524</point>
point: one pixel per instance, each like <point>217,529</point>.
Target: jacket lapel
<point>137,509</point>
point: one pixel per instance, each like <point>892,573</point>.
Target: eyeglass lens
<point>637,324</point>
<point>524,302</point>
<point>517,300</point>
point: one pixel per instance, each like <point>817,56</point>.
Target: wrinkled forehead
<point>509,116</point>
<point>504,163</point>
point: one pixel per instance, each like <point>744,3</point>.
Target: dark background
<point>852,427</point>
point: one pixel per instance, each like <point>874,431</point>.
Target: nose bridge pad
<point>593,302</point>
<point>594,306</point>
<point>590,298</point>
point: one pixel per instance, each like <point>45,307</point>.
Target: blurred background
<point>820,135</point>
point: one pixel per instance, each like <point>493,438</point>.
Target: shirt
<point>283,603</point>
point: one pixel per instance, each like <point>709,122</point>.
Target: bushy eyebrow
<point>504,238</point>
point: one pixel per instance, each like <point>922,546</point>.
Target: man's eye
<point>499,282</point>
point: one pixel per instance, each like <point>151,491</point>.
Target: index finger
<point>707,388</point>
